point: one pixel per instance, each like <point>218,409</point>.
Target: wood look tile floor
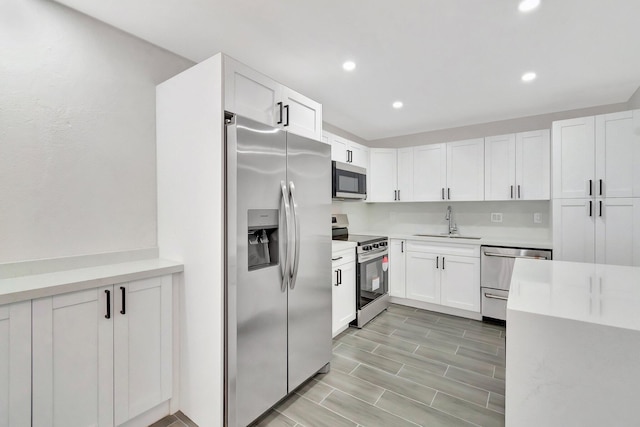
<point>407,367</point>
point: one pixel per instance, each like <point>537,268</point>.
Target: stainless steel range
<point>372,275</point>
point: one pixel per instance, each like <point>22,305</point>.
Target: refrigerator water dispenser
<point>262,235</point>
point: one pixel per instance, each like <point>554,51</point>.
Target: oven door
<point>372,277</point>
<point>349,182</point>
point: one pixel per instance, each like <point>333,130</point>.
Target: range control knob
<point>375,245</point>
<point>366,248</point>
<point>382,244</point>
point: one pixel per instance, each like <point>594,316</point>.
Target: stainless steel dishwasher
<point>496,266</point>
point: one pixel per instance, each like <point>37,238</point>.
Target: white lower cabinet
<point>447,275</point>
<point>344,290</point>
<point>102,356</point>
<point>397,261</point>
<point>15,364</point>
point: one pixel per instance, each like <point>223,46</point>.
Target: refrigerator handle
<point>285,266</point>
<point>296,220</point>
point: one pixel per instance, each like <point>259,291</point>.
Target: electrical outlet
<point>537,218</point>
<point>496,217</point>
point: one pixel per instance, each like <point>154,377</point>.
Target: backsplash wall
<point>472,218</point>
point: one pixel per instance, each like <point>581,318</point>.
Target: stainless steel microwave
<point>349,181</point>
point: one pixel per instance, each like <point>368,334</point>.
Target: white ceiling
<point>452,62</point>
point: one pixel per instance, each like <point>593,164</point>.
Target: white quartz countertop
<point>606,295</point>
<point>516,242</point>
<point>341,245</point>
<point>42,285</point>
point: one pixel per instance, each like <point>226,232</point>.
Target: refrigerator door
<point>309,169</point>
<point>260,308</point>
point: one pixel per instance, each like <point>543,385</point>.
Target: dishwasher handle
<point>492,296</point>
<point>495,254</point>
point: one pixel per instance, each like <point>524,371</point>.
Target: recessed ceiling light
<point>528,5</point>
<point>529,77</point>
<point>397,105</point>
<point>349,66</point>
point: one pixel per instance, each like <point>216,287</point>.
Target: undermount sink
<point>448,236</point>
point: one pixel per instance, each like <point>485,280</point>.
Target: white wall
<point>502,127</point>
<point>77,133</point>
<point>472,218</point>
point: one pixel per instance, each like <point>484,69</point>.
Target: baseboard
<point>437,308</point>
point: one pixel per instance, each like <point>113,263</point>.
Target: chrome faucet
<point>453,228</point>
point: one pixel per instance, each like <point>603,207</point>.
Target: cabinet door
<point>618,154</point>
<point>397,268</point>
<point>142,346</point>
<point>429,172</point>
<point>573,158</point>
<point>500,167</point>
<point>359,155</point>
<point>382,175</point>
<point>73,359</point>
<point>344,296</point>
<point>405,175</point>
<point>618,231</point>
<point>423,277</point>
<point>339,149</point>
<point>533,165</point>
<point>465,170</point>
<point>302,115</point>
<point>574,230</point>
<point>460,282</point>
<point>15,364</point>
<point>250,93</point>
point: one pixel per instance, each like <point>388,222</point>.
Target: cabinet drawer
<point>460,249</point>
<point>343,257</point>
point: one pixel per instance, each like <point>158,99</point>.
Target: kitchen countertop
<point>524,242</point>
<point>33,286</point>
<point>341,245</point>
<point>573,340</point>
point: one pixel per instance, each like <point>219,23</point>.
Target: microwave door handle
<point>296,219</point>
<point>285,266</point>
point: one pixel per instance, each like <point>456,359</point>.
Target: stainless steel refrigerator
<point>278,276</point>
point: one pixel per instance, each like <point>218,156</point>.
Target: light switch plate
<point>537,218</point>
<point>496,217</point>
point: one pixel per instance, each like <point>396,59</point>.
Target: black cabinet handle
<point>402,246</point>
<point>437,259</point>
<point>601,187</point>
<point>442,193</point>
<point>591,187</point>
<point>279,104</point>
<point>590,208</point>
<point>600,207</point>
<point>395,195</point>
<point>519,196</point>
<point>124,301</point>
<point>337,277</point>
<point>108,315</point>
<point>448,193</point>
<point>286,107</point>
<point>398,194</point>
<point>512,191</point>
<point>443,263</point>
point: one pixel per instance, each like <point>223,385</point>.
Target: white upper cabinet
<point>533,165</point>
<point>465,170</point>
<point>254,95</point>
<point>517,166</point>
<point>573,158</point>
<point>302,116</point>
<point>383,175</point>
<point>345,151</point>
<point>500,167</point>
<point>618,154</point>
<point>429,172</point>
<point>405,175</point>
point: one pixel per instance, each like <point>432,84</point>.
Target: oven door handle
<point>368,257</point>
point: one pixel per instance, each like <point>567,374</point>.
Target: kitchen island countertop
<point>573,344</point>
